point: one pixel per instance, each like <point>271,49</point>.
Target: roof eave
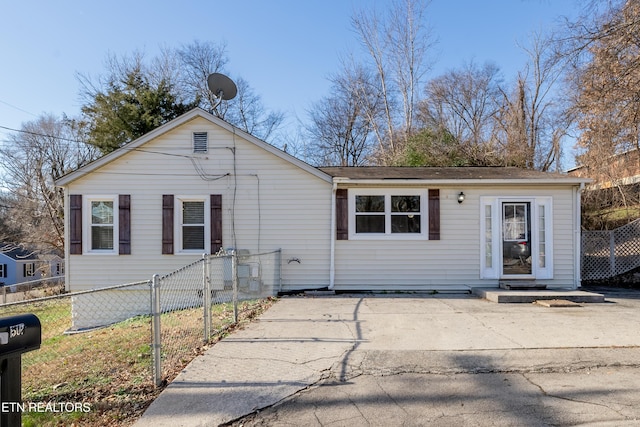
<point>491,181</point>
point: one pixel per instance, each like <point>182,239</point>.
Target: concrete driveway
<point>416,360</point>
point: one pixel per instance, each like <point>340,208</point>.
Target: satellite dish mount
<point>222,88</point>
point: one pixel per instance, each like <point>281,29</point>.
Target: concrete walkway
<point>402,359</point>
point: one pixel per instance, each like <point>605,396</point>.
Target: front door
<point>516,239</point>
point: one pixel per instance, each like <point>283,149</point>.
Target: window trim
<point>387,193</point>
<point>178,200</point>
<point>86,229</point>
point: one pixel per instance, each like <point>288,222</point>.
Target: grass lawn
<point>107,373</point>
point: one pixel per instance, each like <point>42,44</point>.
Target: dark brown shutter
<point>124,224</point>
<point>167,224</point>
<point>342,214</point>
<point>216,222</point>
<point>434,214</point>
<point>75,224</point>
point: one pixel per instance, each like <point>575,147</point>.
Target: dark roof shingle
<point>441,173</point>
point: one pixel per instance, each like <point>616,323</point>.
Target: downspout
<point>332,255</point>
<point>578,238</point>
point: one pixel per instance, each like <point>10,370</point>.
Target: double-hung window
<point>398,214</point>
<point>102,220</point>
<point>29,269</point>
<point>193,224</point>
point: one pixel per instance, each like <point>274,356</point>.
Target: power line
<point>44,135</point>
<point>17,108</point>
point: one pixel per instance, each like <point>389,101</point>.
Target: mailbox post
<point>18,334</point>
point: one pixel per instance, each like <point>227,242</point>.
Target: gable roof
<point>173,124</point>
<point>464,174</point>
<point>15,252</point>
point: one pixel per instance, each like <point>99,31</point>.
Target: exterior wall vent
<point>200,142</point>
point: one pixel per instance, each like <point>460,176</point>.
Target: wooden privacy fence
<point>609,253</point>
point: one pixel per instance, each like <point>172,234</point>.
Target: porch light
<point>461,197</point>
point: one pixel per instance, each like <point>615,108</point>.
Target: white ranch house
<point>198,184</point>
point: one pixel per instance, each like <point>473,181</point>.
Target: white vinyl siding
<point>458,261</point>
<point>267,204</point>
<point>270,203</point>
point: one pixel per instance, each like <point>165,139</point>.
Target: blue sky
<point>285,49</point>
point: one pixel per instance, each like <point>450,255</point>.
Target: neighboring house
<point>197,184</point>
<point>17,265</point>
<point>620,170</point>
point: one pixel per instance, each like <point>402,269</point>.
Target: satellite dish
<point>222,86</point>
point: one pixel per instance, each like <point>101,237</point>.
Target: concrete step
<point>522,285</point>
<point>529,296</point>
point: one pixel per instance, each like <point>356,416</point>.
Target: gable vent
<point>200,142</point>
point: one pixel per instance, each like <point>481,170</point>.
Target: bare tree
<point>533,120</point>
<point>247,112</point>
<point>176,80</point>
<point>42,151</point>
<point>340,127</point>
<point>195,62</point>
<point>397,44</point>
<point>465,102</point>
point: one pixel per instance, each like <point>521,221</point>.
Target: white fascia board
<point>458,182</point>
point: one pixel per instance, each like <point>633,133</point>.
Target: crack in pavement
<point>568,399</point>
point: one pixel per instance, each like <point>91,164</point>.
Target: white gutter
<point>493,181</point>
<point>332,256</point>
<point>577,273</point>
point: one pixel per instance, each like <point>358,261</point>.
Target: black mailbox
<point>18,334</point>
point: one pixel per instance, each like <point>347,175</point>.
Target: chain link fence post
<point>206,293</point>
<point>155,326</point>
<point>234,278</point>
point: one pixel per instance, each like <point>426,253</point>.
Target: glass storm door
<point>516,238</point>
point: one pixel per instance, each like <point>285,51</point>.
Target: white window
<point>200,142</point>
<point>193,224</point>
<point>102,224</point>
<point>397,214</point>
<point>29,269</point>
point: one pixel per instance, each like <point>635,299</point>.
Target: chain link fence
<point>111,347</point>
<point>201,299</point>
<point>32,289</point>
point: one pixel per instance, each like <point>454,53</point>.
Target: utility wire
<point>17,108</point>
<point>43,134</point>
